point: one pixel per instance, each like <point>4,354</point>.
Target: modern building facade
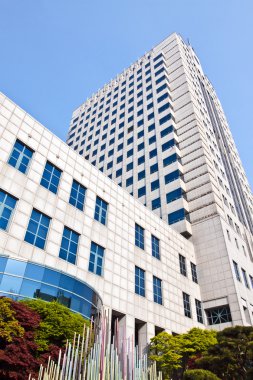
<point>159,131</point>
<point>69,233</point>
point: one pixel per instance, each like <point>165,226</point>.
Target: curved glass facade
<point>22,279</point>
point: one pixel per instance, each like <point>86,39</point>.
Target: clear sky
<point>56,53</point>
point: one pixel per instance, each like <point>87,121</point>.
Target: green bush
<point>199,374</point>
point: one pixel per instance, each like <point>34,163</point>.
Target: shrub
<point>199,374</point>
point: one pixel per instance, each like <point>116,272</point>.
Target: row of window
<point>244,275</point>
<point>183,268</point>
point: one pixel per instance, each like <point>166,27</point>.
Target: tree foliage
<point>58,323</point>
<point>30,331</point>
<point>173,352</point>
<point>199,374</point>
<point>9,326</point>
<point>232,357</point>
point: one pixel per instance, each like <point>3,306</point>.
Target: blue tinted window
<point>167,130</point>
<point>77,195</point>
<point>96,259</point>
<point>153,153</point>
<point>140,281</point>
<point>159,71</point>
<point>140,123</point>
<point>141,160</point>
<point>141,191</point>
<point>157,290</point>
<point>130,166</point>
<point>169,160</point>
<point>158,64</point>
<point>151,127</point>
<point>51,177</point>
<point>163,108</point>
<point>118,173</point>
<point>140,146</point>
<point>151,116</point>
<point>109,165</point>
<point>155,185</point>
<point>141,175</point>
<point>20,156</point>
<point>156,203</point>
<point>139,236</point>
<point>129,181</point>
<point>152,140</point>
<point>161,88</point>
<point>176,216</point>
<point>37,229</point>
<point>140,134</point>
<point>119,159</point>
<point>153,168</point>
<point>7,205</point>
<point>120,146</point>
<point>168,144</point>
<point>100,210</point>
<point>163,77</point>
<point>155,247</point>
<point>173,195</point>
<point>130,152</point>
<point>172,176</point>
<point>130,140</point>
<point>157,57</point>
<point>69,245</point>
<point>165,118</point>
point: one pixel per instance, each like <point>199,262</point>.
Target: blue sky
<point>56,53</point>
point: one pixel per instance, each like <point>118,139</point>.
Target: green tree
<point>199,374</point>
<point>58,323</point>
<point>173,352</point>
<point>232,357</point>
<point>9,326</point>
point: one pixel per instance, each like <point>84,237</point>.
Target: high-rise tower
<point>159,131</point>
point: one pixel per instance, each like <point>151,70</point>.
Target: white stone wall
<point>116,287</point>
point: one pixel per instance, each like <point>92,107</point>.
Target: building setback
<point>159,131</point>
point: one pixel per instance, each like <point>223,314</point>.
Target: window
<point>156,203</point>
<point>157,290</point>
<point>155,185</point>
<point>167,131</point>
<point>218,315</point>
<point>168,144</point>
<point>194,273</point>
<point>140,134</point>
<point>118,173</point>
<point>141,175</point>
<point>152,140</point>
<point>251,280</point>
<point>161,88</point>
<point>165,118</point>
<point>129,181</point>
<point>109,165</point>
<point>20,157</point>
<point>178,215</point>
<point>141,191</point>
<point>119,159</point>
<point>77,195</point>
<point>155,247</point>
<point>153,153</point>
<point>141,160</point>
<point>96,259</point>
<point>164,107</point>
<point>140,146</point>
<point>7,205</point>
<point>101,210</point>
<point>51,177</point>
<point>187,305</point>
<point>130,153</point>
<point>139,236</point>
<point>140,281</point>
<point>37,229</point>
<point>244,275</point>
<point>153,168</point>
<point>69,245</point>
<point>151,127</point>
<point>199,311</point>
<point>169,160</point>
<point>172,176</point>
<point>130,166</point>
<point>162,97</point>
<point>182,265</point>
<point>173,195</point>
<point>236,269</point>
